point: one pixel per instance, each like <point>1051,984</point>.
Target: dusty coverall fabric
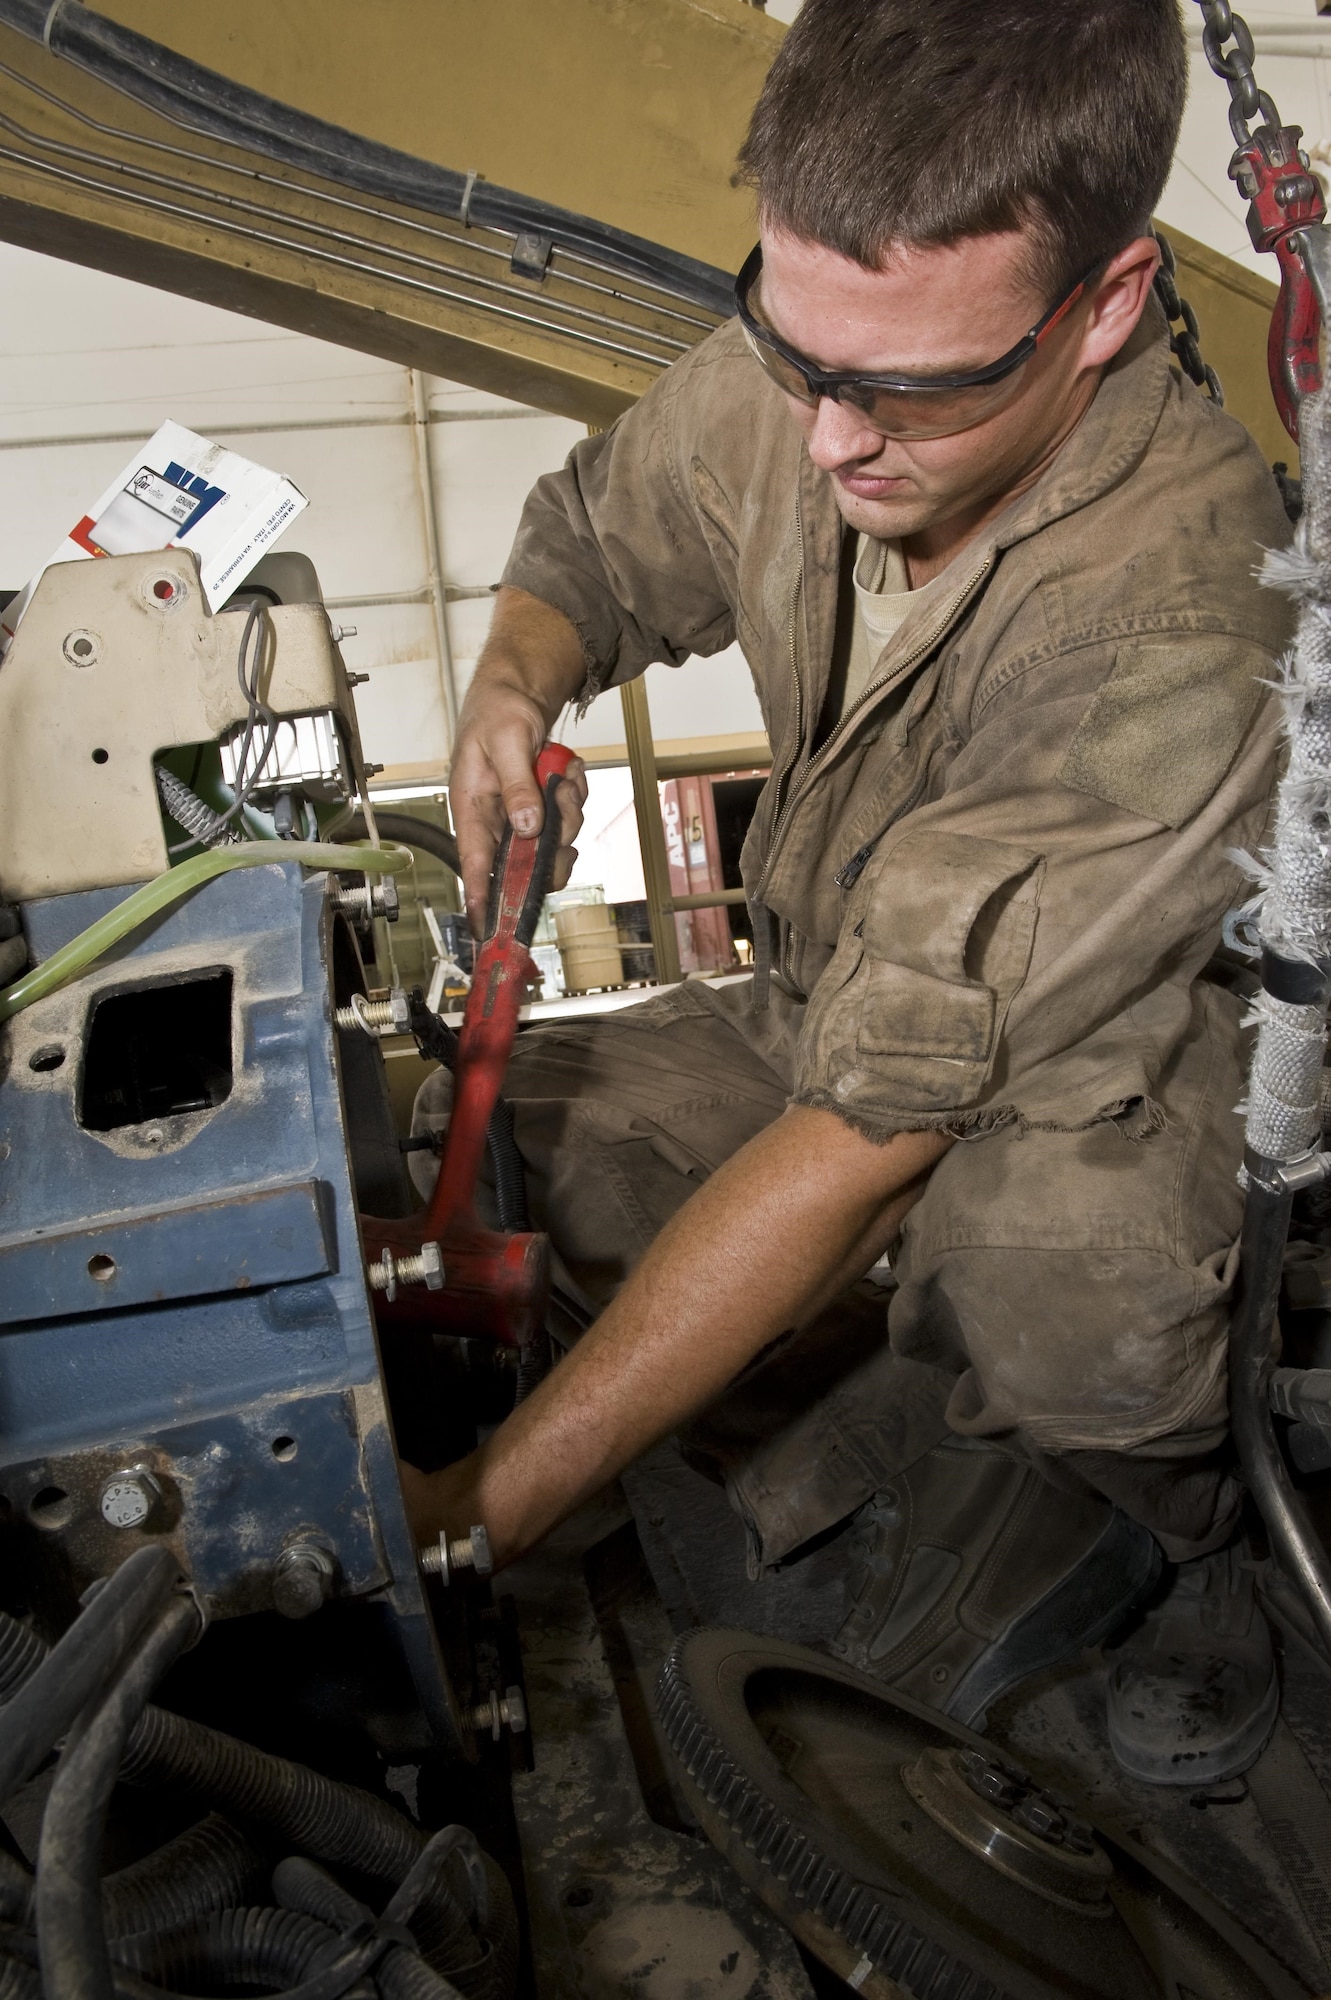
<point>1059,1293</point>
<point>981,904</point>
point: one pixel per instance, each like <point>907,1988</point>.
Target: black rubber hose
<point>71,1933</point>
<point>255,1947</point>
<point>211,1866</point>
<point>420,1900</point>
<point>16,1891</point>
<point>19,1981</point>
<point>21,1653</point>
<point>49,1694</point>
<point>400,827</point>
<point>333,1822</point>
<point>205,101</point>
<point>302,1885</point>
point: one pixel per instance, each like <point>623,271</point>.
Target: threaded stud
<point>387,1272</point>
<point>446,1557</point>
<point>507,1711</point>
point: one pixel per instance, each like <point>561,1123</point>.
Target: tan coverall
<point>982,903</point>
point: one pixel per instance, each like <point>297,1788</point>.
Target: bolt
<point>989,1780</point>
<point>497,1714</point>
<point>341,632</point>
<point>302,1579</point>
<point>129,1497</point>
<point>391,1016</point>
<point>427,1268</point>
<point>444,1557</point>
<point>366,902</point>
<point>1040,1816</point>
<point>356,680</point>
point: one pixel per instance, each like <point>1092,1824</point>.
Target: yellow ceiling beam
<point>627,111</point>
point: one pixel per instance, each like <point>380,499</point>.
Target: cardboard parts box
<point>180,491</point>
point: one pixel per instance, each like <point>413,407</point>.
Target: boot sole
<point>1228,1759</point>
<point>1111,1579</point>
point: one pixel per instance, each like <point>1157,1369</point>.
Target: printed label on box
<point>181,491</point>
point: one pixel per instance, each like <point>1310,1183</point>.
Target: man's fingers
<point>523,804</point>
<point>564,861</point>
<point>571,797</point>
<point>504,790</point>
<point>478,821</point>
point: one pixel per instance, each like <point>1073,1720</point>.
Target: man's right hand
<point>531,667</point>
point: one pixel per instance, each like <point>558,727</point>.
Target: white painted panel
<point>44,492</point>
<point>362,529</point>
<point>84,352</point>
<point>468,623</point>
<point>712,697</point>
<point>401,714</point>
<point>400,708</point>
<point>483,474</point>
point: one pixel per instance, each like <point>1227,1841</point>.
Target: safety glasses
<point>899,406</point>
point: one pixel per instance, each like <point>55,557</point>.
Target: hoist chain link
<point>1246,101</point>
<point>1183,341</point>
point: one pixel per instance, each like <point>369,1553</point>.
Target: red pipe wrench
<point>493,1283</point>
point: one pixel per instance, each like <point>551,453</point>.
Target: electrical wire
<point>156,178</point>
<point>258,712</point>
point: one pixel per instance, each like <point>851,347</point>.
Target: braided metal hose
<point>187,809</point>
<point>1284,1129</point>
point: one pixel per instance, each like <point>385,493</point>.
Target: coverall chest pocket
<point>947,940</point>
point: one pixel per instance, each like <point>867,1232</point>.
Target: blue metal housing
<point>187,1293</point>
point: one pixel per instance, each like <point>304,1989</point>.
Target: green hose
<point>92,944</point>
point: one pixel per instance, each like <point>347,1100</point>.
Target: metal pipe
<point>433,554</point>
<point>254,208</point>
<point>559,256</point>
<point>215,107</point>
<point>1252,1353</point>
<point>710,899</point>
<point>132,200</point>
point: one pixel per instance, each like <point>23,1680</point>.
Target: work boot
<point>973,1573</point>
<point>1192,1692</point>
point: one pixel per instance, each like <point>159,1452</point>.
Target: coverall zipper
<point>924,646</point>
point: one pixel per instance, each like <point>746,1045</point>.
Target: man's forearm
<point>531,649</point>
<point>797,1214</point>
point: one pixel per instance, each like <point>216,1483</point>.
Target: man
<point>991,562</point>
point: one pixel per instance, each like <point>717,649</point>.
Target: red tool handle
<point>503,966</point>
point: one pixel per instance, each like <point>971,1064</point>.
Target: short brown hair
<point>921,121</point>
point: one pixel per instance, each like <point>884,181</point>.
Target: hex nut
<point>302,1580</point>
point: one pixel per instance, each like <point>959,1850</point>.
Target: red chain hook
<point>1283,198</point>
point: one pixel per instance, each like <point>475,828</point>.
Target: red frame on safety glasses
<point>920,406</point>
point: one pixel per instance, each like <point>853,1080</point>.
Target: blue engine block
<point>187,1342</point>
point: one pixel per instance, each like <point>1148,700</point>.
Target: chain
<point>1246,101</point>
<point>1183,341</point>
